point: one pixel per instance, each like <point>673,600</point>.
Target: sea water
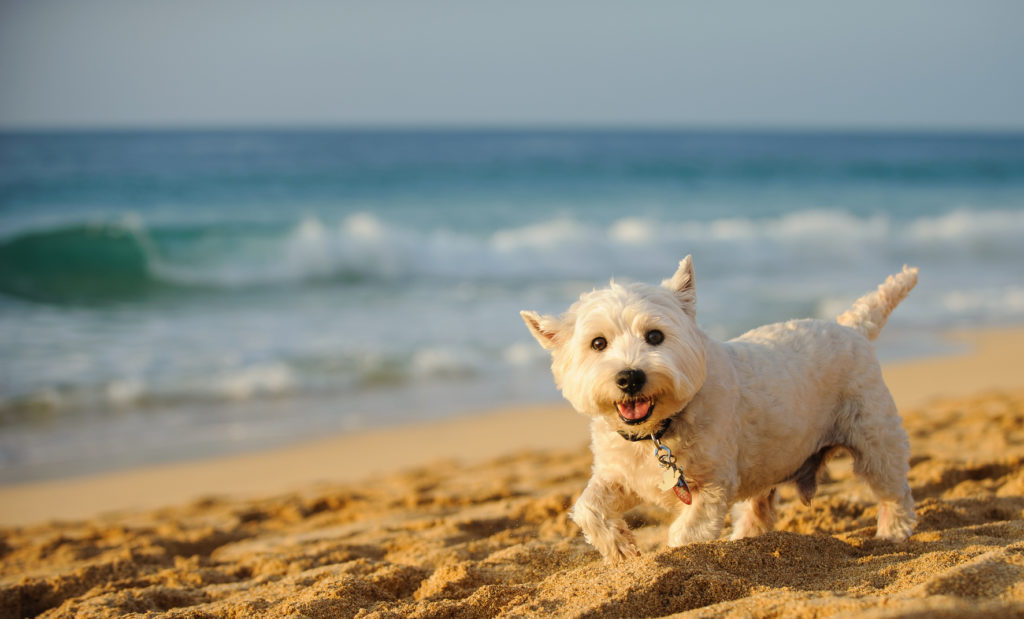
<point>170,294</point>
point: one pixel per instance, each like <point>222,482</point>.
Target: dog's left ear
<point>682,284</point>
<point>544,328</point>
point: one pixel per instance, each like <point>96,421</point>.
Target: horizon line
<point>553,127</point>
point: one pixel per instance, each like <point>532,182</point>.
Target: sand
<point>469,519</point>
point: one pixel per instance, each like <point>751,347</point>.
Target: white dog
<point>726,422</point>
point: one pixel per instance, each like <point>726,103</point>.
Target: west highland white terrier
<point>728,421</point>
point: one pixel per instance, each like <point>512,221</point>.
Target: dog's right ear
<point>544,328</point>
<point>682,284</point>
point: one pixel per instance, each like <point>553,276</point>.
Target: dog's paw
<point>895,522</point>
<point>619,545</point>
<point>621,553</point>
<point>623,549</point>
<point>898,531</point>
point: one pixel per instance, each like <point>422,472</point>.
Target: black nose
<point>630,381</point>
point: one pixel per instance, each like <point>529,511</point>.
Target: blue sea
<point>174,294</point>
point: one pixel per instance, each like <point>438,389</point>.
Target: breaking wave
<point>128,260</point>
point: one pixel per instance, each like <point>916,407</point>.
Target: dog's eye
<point>599,343</point>
<point>654,337</point>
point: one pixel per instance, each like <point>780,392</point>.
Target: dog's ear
<point>544,328</point>
<point>682,284</point>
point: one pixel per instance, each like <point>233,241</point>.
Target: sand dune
<point>494,539</point>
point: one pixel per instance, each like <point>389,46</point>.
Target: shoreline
<point>988,361</point>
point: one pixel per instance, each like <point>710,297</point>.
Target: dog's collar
<point>660,432</point>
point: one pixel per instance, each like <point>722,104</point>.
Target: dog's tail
<point>869,313</point>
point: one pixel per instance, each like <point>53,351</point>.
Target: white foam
<point>307,250</point>
<point>546,235</point>
<point>367,248</point>
<point>969,236</point>
<point>523,353</point>
<point>963,224</point>
<point>259,380</point>
<point>632,231</point>
<point>999,303</point>
<point>821,224</point>
<point>123,393</point>
<point>364,226</point>
<point>440,362</point>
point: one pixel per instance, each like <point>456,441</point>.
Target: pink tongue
<point>634,410</point>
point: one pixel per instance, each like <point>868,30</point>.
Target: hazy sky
<point>866,63</point>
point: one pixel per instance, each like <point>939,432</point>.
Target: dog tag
<point>682,491</point>
<point>669,480</point>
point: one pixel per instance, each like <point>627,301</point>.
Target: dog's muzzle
<point>633,410</point>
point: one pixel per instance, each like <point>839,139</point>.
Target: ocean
<point>175,294</point>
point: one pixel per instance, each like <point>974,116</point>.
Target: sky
<point>913,64</point>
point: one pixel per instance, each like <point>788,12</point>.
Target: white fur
<point>747,413</point>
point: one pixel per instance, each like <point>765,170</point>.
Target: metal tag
<point>683,491</point>
<point>669,479</point>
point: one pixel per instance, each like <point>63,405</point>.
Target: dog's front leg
<point>598,512</point>
<point>702,520</point>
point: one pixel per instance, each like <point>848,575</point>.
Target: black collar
<point>660,432</point>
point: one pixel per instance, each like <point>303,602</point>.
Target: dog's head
<point>632,354</point>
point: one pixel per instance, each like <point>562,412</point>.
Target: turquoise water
<point>171,294</point>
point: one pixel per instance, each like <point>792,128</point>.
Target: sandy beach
<point>468,518</point>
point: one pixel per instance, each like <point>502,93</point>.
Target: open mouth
<point>633,412</point>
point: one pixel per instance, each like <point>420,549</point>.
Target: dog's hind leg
<point>754,516</point>
<point>598,512</point>
<point>881,454</point>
